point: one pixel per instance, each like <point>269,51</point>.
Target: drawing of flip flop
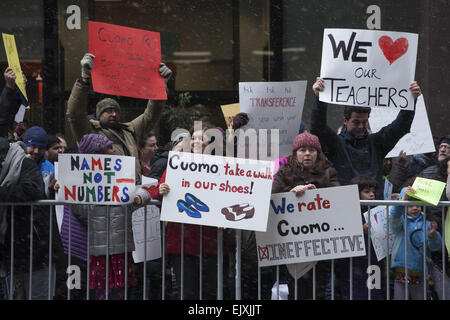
<point>191,212</point>
<point>238,212</point>
<point>196,202</point>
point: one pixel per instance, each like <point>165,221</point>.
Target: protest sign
<point>322,224</point>
<point>150,241</point>
<point>229,111</point>
<point>127,61</point>
<point>427,190</point>
<point>217,191</point>
<point>96,179</point>
<point>13,62</point>
<point>447,231</point>
<point>378,231</point>
<point>368,68</point>
<point>418,140</point>
<point>273,105</point>
<point>388,186</point>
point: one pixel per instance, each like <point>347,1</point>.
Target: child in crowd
<point>357,270</point>
<point>414,248</point>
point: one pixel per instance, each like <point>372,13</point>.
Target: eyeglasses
<point>445,146</point>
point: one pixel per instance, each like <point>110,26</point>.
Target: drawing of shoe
<point>196,202</point>
<point>191,212</point>
<point>238,212</point>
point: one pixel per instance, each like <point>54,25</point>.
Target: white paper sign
<point>217,191</point>
<point>20,114</point>
<point>96,179</point>
<point>153,230</point>
<point>369,68</point>
<point>419,140</point>
<point>378,231</point>
<point>273,105</point>
<point>322,224</point>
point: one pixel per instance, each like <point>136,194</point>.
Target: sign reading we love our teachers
<point>368,68</point>
<point>96,179</point>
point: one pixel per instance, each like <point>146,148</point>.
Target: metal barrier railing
<point>9,274</point>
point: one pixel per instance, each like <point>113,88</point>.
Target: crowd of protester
<point>320,158</point>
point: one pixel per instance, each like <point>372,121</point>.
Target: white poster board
<point>217,191</point>
<point>96,179</point>
<point>368,68</point>
<point>273,105</point>
<point>378,231</point>
<point>153,236</point>
<point>322,224</point>
<point>418,140</point>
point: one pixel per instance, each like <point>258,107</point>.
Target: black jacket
<point>9,105</point>
<point>158,163</point>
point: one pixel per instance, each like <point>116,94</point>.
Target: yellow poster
<point>13,61</point>
<point>447,231</point>
<point>427,190</point>
<point>229,111</point>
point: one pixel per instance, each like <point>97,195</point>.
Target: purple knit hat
<point>306,139</point>
<point>94,144</point>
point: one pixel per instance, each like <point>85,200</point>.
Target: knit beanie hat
<point>35,136</point>
<point>93,144</point>
<point>445,139</point>
<point>104,104</point>
<point>306,139</point>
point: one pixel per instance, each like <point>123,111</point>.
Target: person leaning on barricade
<point>108,115</point>
<point>97,216</point>
<point>21,181</point>
<point>354,151</point>
<point>307,168</point>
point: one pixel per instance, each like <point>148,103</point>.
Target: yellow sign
<point>427,190</point>
<point>447,231</point>
<point>229,111</point>
<point>13,61</point>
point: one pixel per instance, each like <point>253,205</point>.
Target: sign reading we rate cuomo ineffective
<point>217,191</point>
<point>322,224</point>
<point>368,68</point>
<point>127,61</point>
<point>96,179</point>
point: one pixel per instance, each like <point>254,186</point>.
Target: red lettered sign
<point>126,61</point>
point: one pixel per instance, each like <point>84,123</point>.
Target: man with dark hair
<point>54,148</point>
<point>354,151</point>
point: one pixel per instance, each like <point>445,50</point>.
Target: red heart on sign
<point>393,50</point>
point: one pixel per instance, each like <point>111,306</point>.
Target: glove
<point>239,120</point>
<point>87,63</point>
<point>167,74</point>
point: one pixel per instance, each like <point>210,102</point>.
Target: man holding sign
<point>354,151</point>
<point>123,135</point>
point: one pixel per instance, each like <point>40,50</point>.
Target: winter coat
<point>191,233</point>
<point>9,105</point>
<point>415,258</point>
<point>321,177</point>
<point>158,163</point>
<point>30,187</point>
<point>78,234</point>
<point>124,139</point>
<point>101,234</point>
<point>418,163</point>
<point>353,156</point>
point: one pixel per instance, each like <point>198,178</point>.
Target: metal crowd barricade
<point>236,271</point>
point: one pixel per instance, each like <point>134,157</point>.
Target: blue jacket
<point>353,156</point>
<point>415,258</point>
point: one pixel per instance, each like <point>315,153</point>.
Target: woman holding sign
<point>191,249</point>
<point>307,168</point>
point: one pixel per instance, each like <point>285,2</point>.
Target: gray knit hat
<point>104,104</point>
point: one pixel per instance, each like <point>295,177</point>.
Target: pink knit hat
<point>306,139</point>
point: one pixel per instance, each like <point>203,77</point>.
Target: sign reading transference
<point>273,105</point>
<point>322,224</point>
<point>217,191</point>
<point>96,179</point>
<point>368,68</point>
<point>13,61</point>
<point>127,61</point>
